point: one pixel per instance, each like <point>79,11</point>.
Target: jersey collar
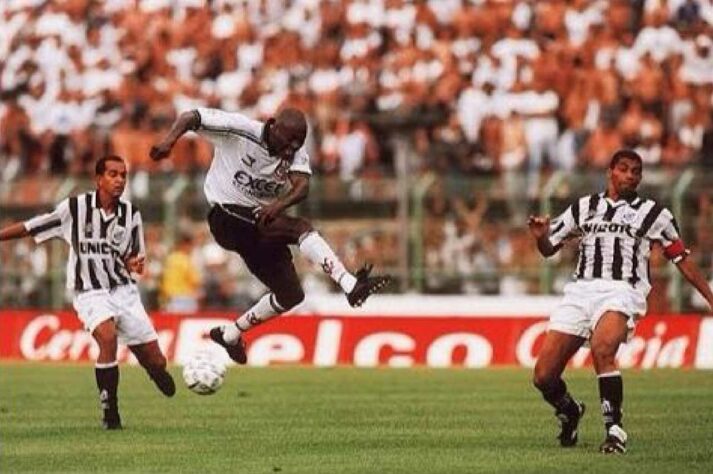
<point>633,201</point>
<point>97,205</point>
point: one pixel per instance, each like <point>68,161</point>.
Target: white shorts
<point>586,301</point>
<point>133,325</point>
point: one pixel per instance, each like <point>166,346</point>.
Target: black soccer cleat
<point>164,382</point>
<point>569,422</point>
<point>111,420</point>
<point>235,351</point>
<point>615,442</point>
<point>366,286</point>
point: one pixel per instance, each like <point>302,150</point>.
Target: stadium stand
<point>483,100</point>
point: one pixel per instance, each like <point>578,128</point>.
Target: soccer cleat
<point>235,351</point>
<point>164,382</point>
<point>111,420</point>
<point>615,442</point>
<point>366,286</point>
<point>568,435</point>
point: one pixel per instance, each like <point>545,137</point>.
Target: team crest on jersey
<point>282,169</point>
<point>629,216</point>
<point>117,235</point>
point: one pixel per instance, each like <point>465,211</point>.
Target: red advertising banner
<point>368,341</point>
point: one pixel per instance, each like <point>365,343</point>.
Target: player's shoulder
<point>650,205</point>
<point>301,157</point>
<point>130,206</point>
<point>222,120</point>
<point>585,201</point>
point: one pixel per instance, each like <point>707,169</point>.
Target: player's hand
<point>135,264</point>
<point>160,151</point>
<point>539,225</point>
<point>265,215</point>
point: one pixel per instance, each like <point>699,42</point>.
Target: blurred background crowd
<point>488,98</point>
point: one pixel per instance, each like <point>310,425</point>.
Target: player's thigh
<point>611,331</point>
<point>105,333</point>
<point>132,323</point>
<point>232,233</point>
<point>284,229</point>
<point>557,349</point>
<point>273,266</point>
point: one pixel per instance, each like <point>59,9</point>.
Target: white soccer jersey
<point>98,242</point>
<point>616,237</point>
<point>242,171</point>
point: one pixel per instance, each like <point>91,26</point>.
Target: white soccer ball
<point>204,373</point>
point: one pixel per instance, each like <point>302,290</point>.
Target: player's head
<point>110,174</point>
<point>286,133</point>
<point>624,173</point>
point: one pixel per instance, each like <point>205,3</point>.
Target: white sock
<point>266,308</point>
<point>318,251</point>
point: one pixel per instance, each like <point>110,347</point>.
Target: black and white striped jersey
<point>616,237</point>
<point>99,243</point>
<point>242,171</point>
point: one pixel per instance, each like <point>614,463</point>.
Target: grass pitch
<point>304,420</point>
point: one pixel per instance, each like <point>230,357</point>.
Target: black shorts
<point>268,259</point>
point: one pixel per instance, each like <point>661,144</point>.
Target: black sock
<point>611,394</point>
<point>108,383</point>
<point>556,395</point>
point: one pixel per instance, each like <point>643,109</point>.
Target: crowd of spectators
<point>483,86</point>
<point>503,88</point>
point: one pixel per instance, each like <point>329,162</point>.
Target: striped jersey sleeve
<point>664,230</point>
<point>137,245</point>
<point>49,225</point>
<point>564,226</point>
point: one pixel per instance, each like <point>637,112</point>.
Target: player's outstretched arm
<point>540,229</point>
<point>690,270</point>
<point>14,231</point>
<point>186,121</point>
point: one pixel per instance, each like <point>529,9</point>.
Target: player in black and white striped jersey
<point>616,231</point>
<point>105,235</point>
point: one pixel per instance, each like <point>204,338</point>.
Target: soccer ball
<point>204,373</point>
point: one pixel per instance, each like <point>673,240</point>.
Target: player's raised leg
<point>153,361</point>
<point>107,373</point>
<point>609,333</point>
<point>556,351</point>
<point>358,287</point>
<point>294,230</point>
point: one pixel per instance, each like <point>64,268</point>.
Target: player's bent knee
<point>542,378</point>
<point>302,225</point>
<point>290,298</point>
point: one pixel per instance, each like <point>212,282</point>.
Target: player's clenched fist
<point>160,151</point>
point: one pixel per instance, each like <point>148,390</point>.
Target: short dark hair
<point>100,166</point>
<point>624,154</point>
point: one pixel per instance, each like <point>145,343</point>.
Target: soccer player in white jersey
<point>105,235</point>
<point>258,171</point>
<point>616,231</point>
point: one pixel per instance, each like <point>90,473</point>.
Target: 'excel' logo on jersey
<point>259,187</point>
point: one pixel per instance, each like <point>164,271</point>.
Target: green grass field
<point>305,420</point>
